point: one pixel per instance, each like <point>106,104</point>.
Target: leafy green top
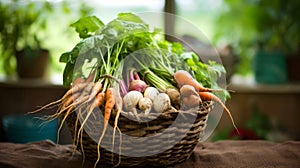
<point>110,44</point>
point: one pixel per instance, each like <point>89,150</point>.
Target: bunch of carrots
<point>85,96</point>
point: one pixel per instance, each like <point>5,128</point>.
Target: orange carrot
<point>71,109</point>
<point>182,77</point>
<point>109,105</point>
<point>209,96</point>
<point>76,102</point>
<point>74,89</point>
<point>77,85</point>
<point>99,100</point>
<point>118,109</point>
<point>96,89</point>
<point>77,81</point>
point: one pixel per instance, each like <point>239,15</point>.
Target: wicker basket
<point>163,150</point>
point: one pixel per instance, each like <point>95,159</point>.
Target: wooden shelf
<point>29,83</point>
<point>266,89</point>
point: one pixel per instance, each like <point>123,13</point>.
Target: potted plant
<point>278,28</point>
<point>21,36</point>
<point>271,30</point>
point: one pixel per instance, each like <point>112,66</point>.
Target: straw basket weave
<point>156,135</point>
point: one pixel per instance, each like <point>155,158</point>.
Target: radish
<point>161,103</point>
<point>151,93</point>
<point>145,105</point>
<point>136,83</point>
<point>131,99</point>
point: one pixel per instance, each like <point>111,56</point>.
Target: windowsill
<point>247,84</point>
<point>266,88</point>
<point>54,81</point>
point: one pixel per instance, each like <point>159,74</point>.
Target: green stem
<point>153,78</point>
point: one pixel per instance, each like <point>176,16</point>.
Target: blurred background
<point>258,42</point>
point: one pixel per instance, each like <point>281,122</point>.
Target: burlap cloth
<point>245,154</point>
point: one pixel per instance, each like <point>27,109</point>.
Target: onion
<point>145,105</point>
<point>161,102</point>
<point>151,93</point>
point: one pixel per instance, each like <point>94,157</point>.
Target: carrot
<point>79,101</point>
<point>118,109</point>
<point>68,106</point>
<point>209,96</point>
<point>109,105</point>
<point>182,77</point>
<point>95,90</point>
<point>99,100</point>
<point>76,87</point>
<point>77,81</point>
<point>91,76</point>
<point>63,121</point>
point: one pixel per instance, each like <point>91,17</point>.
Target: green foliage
<point>259,123</point>
<point>258,23</point>
<point>206,74</point>
<point>21,25</point>
<point>125,35</point>
<point>86,25</point>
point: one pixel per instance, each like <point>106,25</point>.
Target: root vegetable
<point>109,105</point>
<point>76,87</point>
<point>161,103</point>
<point>118,109</point>
<point>174,97</point>
<point>182,77</point>
<point>145,105</point>
<point>98,101</point>
<point>77,81</point>
<point>137,85</point>
<point>190,98</point>
<point>95,90</point>
<point>123,88</point>
<point>131,99</point>
<point>190,101</point>
<point>187,90</point>
<point>151,93</point>
<point>91,77</point>
<point>209,96</point>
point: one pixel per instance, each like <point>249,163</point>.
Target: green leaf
<point>68,74</point>
<point>130,17</point>
<point>124,26</point>
<point>187,55</point>
<point>64,58</point>
<point>87,25</point>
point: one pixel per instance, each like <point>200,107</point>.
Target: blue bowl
<point>24,129</point>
